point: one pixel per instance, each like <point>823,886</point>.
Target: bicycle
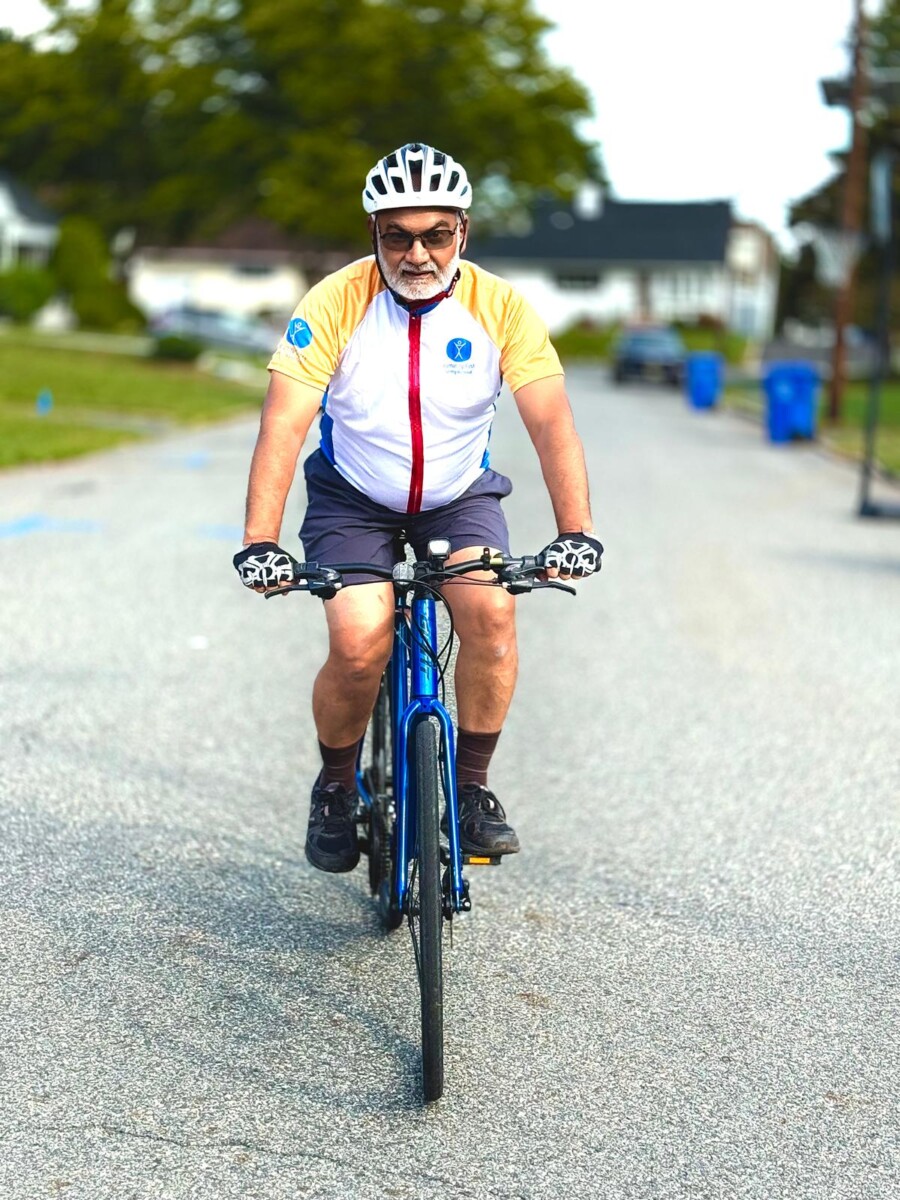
<point>408,757</point>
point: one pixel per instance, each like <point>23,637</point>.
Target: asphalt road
<point>686,985</point>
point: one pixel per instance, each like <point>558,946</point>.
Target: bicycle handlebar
<point>515,574</point>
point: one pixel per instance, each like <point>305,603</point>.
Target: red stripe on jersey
<point>414,502</point>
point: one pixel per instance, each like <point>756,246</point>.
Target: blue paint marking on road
<point>193,460</point>
<point>222,533</point>
<point>41,523</point>
<point>22,526</point>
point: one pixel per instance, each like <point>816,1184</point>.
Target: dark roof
<point>253,239</point>
<point>26,203</point>
<point>626,231</point>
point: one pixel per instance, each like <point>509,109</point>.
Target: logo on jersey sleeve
<point>299,333</point>
<point>459,350</point>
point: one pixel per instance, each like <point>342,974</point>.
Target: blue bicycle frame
<point>414,683</point>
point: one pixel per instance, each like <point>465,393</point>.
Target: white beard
<point>421,286</point>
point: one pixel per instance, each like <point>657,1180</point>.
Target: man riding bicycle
<point>404,354</point>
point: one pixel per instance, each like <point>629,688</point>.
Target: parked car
<point>649,352</point>
<point>225,330</point>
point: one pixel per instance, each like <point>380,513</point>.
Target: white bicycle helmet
<point>416,176</point>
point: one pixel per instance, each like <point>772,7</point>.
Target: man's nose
<point>417,253</point>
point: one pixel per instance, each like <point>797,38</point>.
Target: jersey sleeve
<point>527,354</point>
<point>311,345</point>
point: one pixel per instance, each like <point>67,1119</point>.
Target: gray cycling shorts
<point>343,525</point>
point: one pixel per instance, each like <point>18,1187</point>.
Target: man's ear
<point>371,223</point>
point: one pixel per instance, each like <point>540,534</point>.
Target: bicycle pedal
<point>482,860</point>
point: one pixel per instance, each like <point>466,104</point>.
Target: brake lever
<point>554,583</point>
<point>283,591</point>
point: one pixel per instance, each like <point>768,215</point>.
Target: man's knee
<point>360,633</point>
<point>357,664</point>
<point>489,621</point>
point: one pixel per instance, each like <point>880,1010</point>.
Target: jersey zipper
<point>414,502</point>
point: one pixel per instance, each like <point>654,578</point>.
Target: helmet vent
<point>416,175</point>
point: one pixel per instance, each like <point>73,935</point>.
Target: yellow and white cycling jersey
<point>409,394</point>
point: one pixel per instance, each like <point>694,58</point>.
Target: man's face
<point>419,271</point>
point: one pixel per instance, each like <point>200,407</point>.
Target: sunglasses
<point>433,239</point>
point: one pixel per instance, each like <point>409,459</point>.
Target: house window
<point>253,269</point>
<point>578,281</point>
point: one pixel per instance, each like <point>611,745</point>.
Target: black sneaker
<point>331,841</point>
<point>483,828</point>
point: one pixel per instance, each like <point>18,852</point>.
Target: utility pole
<point>852,211</point>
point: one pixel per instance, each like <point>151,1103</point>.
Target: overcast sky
<point>695,99</point>
<point>710,99</point>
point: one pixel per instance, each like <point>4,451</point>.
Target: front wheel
<point>426,913</point>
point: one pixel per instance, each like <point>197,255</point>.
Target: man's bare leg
<point>360,629</point>
<point>486,669</point>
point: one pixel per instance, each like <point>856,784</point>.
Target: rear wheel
<point>426,913</point>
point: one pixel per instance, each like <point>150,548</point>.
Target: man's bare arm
<point>287,414</point>
<point>547,415</point>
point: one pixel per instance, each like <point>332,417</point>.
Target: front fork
<point>414,684</point>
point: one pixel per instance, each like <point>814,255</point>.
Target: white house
<point>252,270</point>
<point>28,231</point>
<point>611,260</point>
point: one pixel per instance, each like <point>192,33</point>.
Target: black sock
<point>473,756</point>
<point>339,765</point>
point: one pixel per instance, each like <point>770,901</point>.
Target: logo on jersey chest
<point>459,355</point>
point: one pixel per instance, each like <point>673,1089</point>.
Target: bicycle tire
<point>376,779</point>
<point>381,816</point>
<point>430,909</point>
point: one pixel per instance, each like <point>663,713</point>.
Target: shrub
<point>732,346</point>
<point>584,339</point>
<point>104,305</point>
<point>81,259</point>
<point>173,348</point>
<point>24,290</point>
<point>83,269</point>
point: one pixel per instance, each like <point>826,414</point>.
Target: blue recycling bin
<point>792,401</point>
<point>703,378</point>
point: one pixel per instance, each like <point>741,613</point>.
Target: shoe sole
<point>468,848</point>
<point>334,866</point>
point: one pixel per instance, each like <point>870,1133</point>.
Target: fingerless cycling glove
<point>264,564</point>
<point>575,554</point>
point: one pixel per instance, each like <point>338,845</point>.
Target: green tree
<point>801,294</point>
<point>179,119</point>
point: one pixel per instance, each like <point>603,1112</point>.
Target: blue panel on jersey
<point>325,437</point>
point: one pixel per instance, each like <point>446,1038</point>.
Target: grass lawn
<point>847,436</point>
<point>101,399</point>
<point>28,440</point>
